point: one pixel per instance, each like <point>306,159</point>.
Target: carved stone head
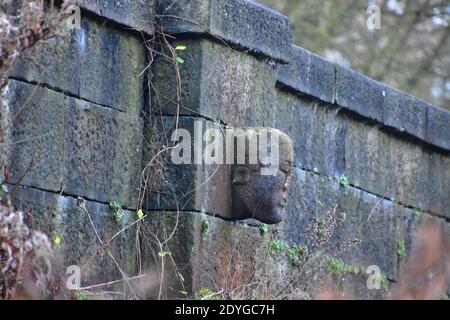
<point>260,187</point>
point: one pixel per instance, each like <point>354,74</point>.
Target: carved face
<point>261,192</point>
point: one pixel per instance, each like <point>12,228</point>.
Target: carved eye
<point>241,175</point>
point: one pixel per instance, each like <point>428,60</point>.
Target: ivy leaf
<point>4,189</point>
<point>180,60</point>
<point>140,214</point>
<point>181,47</point>
<point>57,240</point>
<point>205,225</point>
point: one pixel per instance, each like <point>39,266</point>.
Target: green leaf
<point>140,214</point>
<point>80,295</point>
<point>57,240</point>
<point>205,225</point>
<point>263,228</point>
<point>119,214</point>
<point>343,180</point>
<point>4,189</point>
<point>164,254</point>
<point>181,47</point>
<point>180,60</point>
<point>115,205</point>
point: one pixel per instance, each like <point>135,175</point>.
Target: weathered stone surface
<point>225,188</point>
<point>137,14</point>
<point>407,222</point>
<point>308,73</point>
<point>411,183</point>
<point>334,144</point>
<point>439,177</point>
<point>103,149</point>
<point>438,127</point>
<point>217,82</point>
<point>318,132</point>
<point>389,167</point>
<point>244,23</point>
<point>360,94</point>
<point>369,219</point>
<point>59,143</point>
<point>34,140</point>
<point>97,63</point>
<point>222,255</point>
<point>423,250</point>
<point>65,217</point>
<point>405,113</point>
<point>187,187</point>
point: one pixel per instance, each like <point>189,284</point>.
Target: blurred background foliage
<point>411,51</point>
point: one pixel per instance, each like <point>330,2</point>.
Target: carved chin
<point>274,216</point>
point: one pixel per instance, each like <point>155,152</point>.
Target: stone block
<point>65,217</point>
<point>411,183</point>
<point>359,94</point>
<point>393,168</point>
<point>308,73</point>
<point>34,148</point>
<point>103,150</point>
<point>97,63</point>
<point>405,113</point>
<point>217,83</point>
<point>59,143</point>
<point>368,218</point>
<point>223,255</point>
<point>194,186</point>
<point>246,24</point>
<point>317,129</point>
<point>137,14</point>
<point>368,162</point>
<point>438,127</point>
<point>439,185</point>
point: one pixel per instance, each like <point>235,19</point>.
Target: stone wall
<point>90,127</point>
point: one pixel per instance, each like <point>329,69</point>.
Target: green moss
<point>3,190</point>
<point>263,228</point>
<point>206,294</point>
<point>277,246</point>
<point>338,267</point>
<point>81,295</point>
<point>293,254</point>
<point>384,282</point>
<point>342,180</point>
<point>401,249</point>
<point>417,213</point>
<point>117,210</point>
<point>205,226</point>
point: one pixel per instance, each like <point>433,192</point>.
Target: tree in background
<point>411,50</point>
